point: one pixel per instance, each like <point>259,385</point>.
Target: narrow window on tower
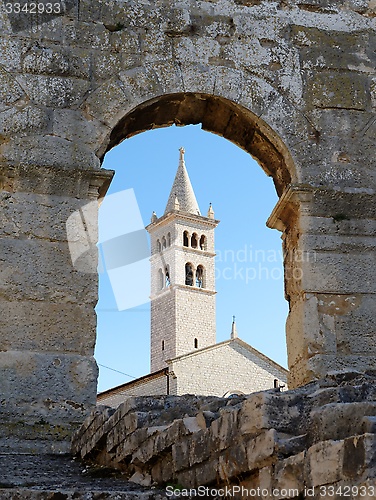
<point>169,239</point>
<point>185,238</point>
<point>203,242</point>
<point>167,274</point>
<point>200,277</point>
<point>196,344</point>
<point>164,244</point>
<point>159,248</point>
<point>162,345</point>
<point>160,279</point>
<point>194,240</point>
<point>188,274</point>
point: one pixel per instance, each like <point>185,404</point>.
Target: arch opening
<point>217,115</point>
<point>242,128</point>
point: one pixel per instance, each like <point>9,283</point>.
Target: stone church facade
<point>184,355</point>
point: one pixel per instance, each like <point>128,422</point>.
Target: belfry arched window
<point>164,244</point>
<point>203,242</point>
<point>169,239</point>
<point>194,240</point>
<point>161,279</point>
<point>185,239</point>
<point>200,277</point>
<point>167,277</point>
<point>159,248</point>
<point>189,274</point>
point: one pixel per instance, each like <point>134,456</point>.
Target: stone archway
<point>219,116</point>
<point>292,83</point>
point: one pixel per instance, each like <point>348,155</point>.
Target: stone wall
<point>154,384</point>
<point>228,367</point>
<point>284,444</point>
<point>291,82</point>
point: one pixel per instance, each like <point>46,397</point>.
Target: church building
<point>185,358</point>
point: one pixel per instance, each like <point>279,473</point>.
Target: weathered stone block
<point>132,442</point>
<point>199,449</point>
<point>49,152</point>
<point>266,410</point>
<point>338,420</point>
<point>30,120</point>
<point>289,474</point>
<point>233,462</point>
<point>325,462</point>
<point>162,472</point>
<point>38,326</point>
<point>127,425</point>
<point>206,473</point>
<point>32,270</point>
<point>180,454</point>
<point>71,124</point>
<point>359,454</point>
<point>261,450</point>
<point>333,90</point>
<point>11,91</point>
<point>223,430</point>
<point>118,103</point>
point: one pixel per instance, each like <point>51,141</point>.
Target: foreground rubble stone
<point>59,477</point>
<point>320,435</point>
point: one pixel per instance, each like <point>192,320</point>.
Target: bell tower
<point>182,274</point>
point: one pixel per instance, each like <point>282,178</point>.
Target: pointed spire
<point>176,203</point>
<point>210,212</point>
<point>234,332</point>
<point>182,191</point>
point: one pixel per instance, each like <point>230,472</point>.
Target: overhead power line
<point>117,371</point>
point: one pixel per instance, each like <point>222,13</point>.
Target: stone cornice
<point>294,195</point>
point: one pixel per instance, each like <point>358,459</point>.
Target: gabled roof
<point>231,343</point>
<point>182,196</point>
<point>234,343</point>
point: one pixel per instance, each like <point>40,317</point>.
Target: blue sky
<point>248,264</point>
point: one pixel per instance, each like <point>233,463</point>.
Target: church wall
<point>153,387</point>
<point>163,328</point>
<point>195,319</point>
<point>225,368</point>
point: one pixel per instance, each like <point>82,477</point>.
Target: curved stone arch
<point>218,115</point>
<point>119,102</point>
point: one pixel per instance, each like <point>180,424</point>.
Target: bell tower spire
<point>182,275</point>
<point>182,190</point>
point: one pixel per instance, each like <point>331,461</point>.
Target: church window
<point>194,240</point>
<point>185,239</point>
<point>196,344</point>
<point>169,239</point>
<point>159,248</point>
<point>233,394</point>
<point>167,275</point>
<point>200,277</point>
<point>162,345</point>
<point>203,242</point>
<point>164,244</point>
<point>189,274</point>
<point>160,279</point>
